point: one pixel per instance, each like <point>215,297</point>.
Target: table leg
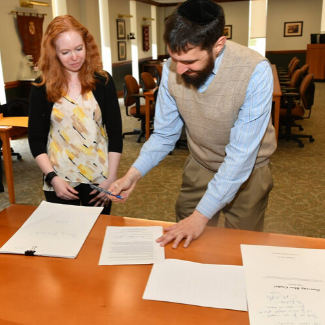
<point>276,115</point>
<point>6,153</point>
<point>147,117</point>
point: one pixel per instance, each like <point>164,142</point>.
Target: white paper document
<point>207,285</point>
<point>56,230</point>
<point>285,286</point>
<point>131,245</point>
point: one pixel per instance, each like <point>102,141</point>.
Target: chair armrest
<point>289,89</point>
<point>137,102</point>
<point>284,83</point>
<point>292,95</point>
<point>137,96</point>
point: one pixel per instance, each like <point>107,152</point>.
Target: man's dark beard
<point>199,78</point>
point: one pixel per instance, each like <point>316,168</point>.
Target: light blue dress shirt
<point>245,136</point>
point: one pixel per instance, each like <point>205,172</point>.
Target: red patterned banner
<point>145,37</point>
<point>31,32</point>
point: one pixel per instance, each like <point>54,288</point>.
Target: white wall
<point>14,62</point>
<point>281,11</point>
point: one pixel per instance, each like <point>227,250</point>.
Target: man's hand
<point>125,185</point>
<point>190,228</point>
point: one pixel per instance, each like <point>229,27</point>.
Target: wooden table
<point>9,127</point>
<point>277,93</point>
<point>149,97</point>
<point>56,291</point>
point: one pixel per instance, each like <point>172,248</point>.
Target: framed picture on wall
<point>120,25</point>
<point>293,28</point>
<point>121,46</point>
<point>227,31</point>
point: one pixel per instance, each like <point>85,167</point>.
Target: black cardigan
<point>40,110</point>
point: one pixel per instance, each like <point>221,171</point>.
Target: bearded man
<point>222,93</point>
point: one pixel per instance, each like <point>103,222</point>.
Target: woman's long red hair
<point>53,74</point>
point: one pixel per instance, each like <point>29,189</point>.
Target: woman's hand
<point>63,190</point>
<point>102,198</point>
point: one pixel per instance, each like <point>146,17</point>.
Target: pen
<point>105,191</point>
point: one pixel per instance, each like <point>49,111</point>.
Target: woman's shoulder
<point>37,84</point>
<point>103,78</point>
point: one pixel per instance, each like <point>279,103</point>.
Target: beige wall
<point>237,15</point>
<point>119,7</point>
<point>14,62</point>
<point>163,12</point>
<point>143,10</point>
<point>87,12</point>
<point>281,11</point>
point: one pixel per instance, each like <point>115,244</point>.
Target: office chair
<point>285,70</point>
<point>132,106</point>
<point>298,110</point>
<point>293,67</point>
<point>305,70</point>
<point>147,81</point>
<point>158,73</point>
<point>294,82</point>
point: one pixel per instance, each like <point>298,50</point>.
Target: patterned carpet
<point>296,205</point>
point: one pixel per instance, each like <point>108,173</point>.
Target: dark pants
<point>84,198</point>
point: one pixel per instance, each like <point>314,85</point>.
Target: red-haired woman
<point>75,128</point>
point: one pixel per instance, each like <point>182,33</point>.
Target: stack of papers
<point>132,245</point>
<point>285,285</point>
<point>56,230</point>
<point>218,286</point>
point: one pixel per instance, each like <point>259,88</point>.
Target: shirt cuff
<point>141,164</point>
<point>209,205</point>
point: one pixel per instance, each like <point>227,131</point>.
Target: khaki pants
<point>247,209</point>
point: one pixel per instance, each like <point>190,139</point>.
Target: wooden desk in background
<point>9,127</point>
<point>149,98</point>
<point>277,93</point>
<point>56,291</point>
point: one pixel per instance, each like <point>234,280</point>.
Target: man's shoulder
<point>242,54</point>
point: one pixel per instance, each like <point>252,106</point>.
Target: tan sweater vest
<point>209,116</point>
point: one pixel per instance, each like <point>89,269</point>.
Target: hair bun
<point>201,12</point>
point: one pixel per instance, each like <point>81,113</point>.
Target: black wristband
<point>49,177</point>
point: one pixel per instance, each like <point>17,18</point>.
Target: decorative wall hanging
<point>145,38</point>
<point>120,24</point>
<point>121,50</point>
<point>293,28</point>
<point>30,28</point>
<point>227,31</point>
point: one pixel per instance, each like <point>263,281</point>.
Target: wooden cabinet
<point>316,60</point>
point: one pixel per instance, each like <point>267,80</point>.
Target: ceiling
<point>168,3</point>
